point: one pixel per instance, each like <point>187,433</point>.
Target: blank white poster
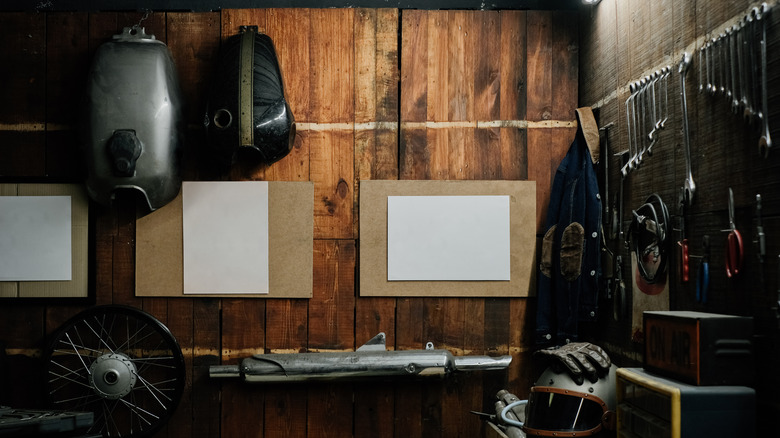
<point>448,238</point>
<point>35,238</point>
<point>225,231</point>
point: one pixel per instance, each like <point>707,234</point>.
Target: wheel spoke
<point>100,338</point>
<point>153,391</point>
<point>77,353</point>
<point>139,411</point>
<point>65,377</point>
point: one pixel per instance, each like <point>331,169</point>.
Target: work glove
<point>579,359</point>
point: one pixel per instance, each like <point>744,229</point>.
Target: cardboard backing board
<point>159,256</point>
<point>373,238</point>
<point>78,286</point>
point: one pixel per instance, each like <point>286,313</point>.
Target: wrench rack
<point>733,65</point>
<point>647,111</point>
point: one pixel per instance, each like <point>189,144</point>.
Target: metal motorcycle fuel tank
<point>247,116</point>
<point>132,128</point>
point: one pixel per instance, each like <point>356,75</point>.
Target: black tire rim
<point>120,363</point>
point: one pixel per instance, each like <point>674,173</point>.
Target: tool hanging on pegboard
<point>647,111</point>
<point>733,65</point>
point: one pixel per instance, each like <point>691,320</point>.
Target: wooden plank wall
<point>622,41</point>
<point>377,94</point>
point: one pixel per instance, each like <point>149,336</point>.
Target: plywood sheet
<point>77,287</point>
<point>159,256</point>
<point>373,238</point>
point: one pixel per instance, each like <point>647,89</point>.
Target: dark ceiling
<point>210,5</point>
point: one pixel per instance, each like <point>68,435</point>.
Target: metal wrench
<point>627,168</point>
<point>667,72</point>
<point>701,68</point>
<point>747,61</point>
<point>689,187</point>
<point>639,123</point>
<point>756,96</point>
<point>633,159</point>
<point>732,58</point>
<point>707,62</point>
<point>765,142</point>
<point>723,70</point>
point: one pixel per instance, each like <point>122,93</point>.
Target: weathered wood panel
<point>377,94</point>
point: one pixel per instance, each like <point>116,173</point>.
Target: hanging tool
<point>777,302</point>
<point>732,31</point>
<point>682,245</point>
<point>703,272</point>
<point>765,142</point>
<point>760,231</point>
<point>734,248</point>
<point>604,149</point>
<point>630,110</point>
<point>619,303</point>
<point>689,186</point>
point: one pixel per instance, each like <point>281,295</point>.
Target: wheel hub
<point>112,376</point>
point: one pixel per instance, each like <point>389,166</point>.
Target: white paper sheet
<point>225,231</point>
<point>35,238</point>
<point>448,238</point>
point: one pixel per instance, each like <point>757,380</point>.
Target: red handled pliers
<point>734,249</point>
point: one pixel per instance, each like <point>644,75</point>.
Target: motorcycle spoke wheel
<point>119,363</point>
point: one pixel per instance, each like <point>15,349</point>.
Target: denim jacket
<point>569,268</point>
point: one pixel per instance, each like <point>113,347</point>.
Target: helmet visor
<point>559,410</point>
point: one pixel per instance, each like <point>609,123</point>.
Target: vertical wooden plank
<point>332,61</point>
<point>483,157</point>
<point>206,352</point>
<point>539,163</point>
<point>331,308</point>
<point>332,170</point>
<point>438,66</point>
<point>331,326</point>
<point>332,101</point>
<point>460,89</point>
<point>22,140</point>
<point>539,106</point>
<point>376,149</point>
<point>376,157</point>
<point>180,322</point>
<point>487,77</point>
<point>413,100</point>
<point>408,398</point>
<point>193,39</point>
<point>512,102</point>
<point>290,30</point>
<point>414,163</point>
<point>243,333</point>
<point>67,63</point>
<point>414,64</point>
<point>539,65</point>
<point>286,319</point>
<point>512,68</point>
<point>123,254</point>
<point>20,343</point>
<point>565,50</point>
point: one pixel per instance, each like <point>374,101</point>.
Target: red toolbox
<point>699,348</point>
